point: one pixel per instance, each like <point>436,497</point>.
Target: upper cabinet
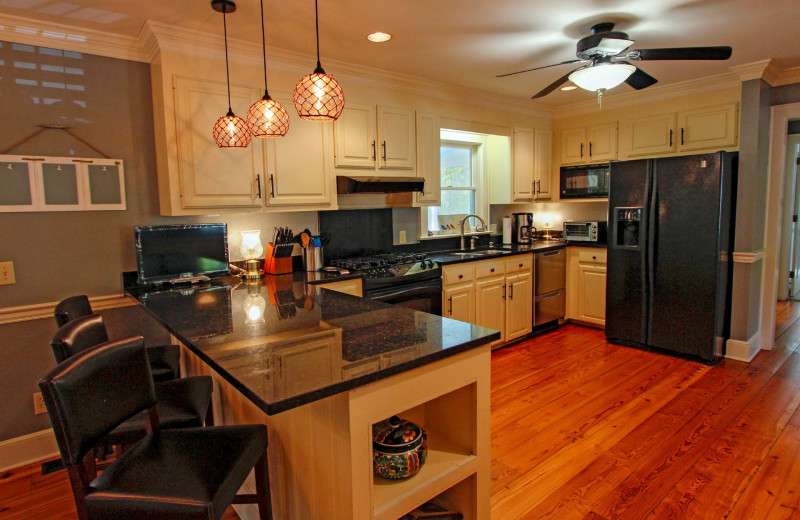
<point>528,162</point>
<point>542,162</point>
<point>522,170</point>
<point>708,128</point>
<point>428,159</point>
<point>589,144</point>
<point>372,137</point>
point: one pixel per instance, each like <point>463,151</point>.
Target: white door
<point>651,135</point>
<point>542,155</point>
<point>522,172</point>
<point>396,136</point>
<point>354,136</point>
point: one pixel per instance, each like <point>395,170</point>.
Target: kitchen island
<point>319,368</point>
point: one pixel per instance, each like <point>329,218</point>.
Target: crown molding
<point>788,77</point>
<point>70,38</point>
<point>763,69</point>
<point>654,93</point>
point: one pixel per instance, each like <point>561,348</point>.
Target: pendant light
<point>230,131</point>
<point>267,117</point>
<point>318,97</point>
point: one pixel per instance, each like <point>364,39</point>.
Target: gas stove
<point>390,265</point>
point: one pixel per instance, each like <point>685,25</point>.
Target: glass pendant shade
<point>268,118</point>
<point>318,97</point>
<point>602,76</point>
<point>251,247</point>
<point>231,131</point>
<point>254,306</point>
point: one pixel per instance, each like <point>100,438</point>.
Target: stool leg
<point>262,488</point>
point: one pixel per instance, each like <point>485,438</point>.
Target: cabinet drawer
<point>591,256</point>
<point>460,273</point>
<point>519,263</point>
<point>489,268</point>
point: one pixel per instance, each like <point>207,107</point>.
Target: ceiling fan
<point>606,50</point>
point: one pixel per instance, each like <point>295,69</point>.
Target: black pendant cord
<point>264,45</point>
<point>316,18</point>
<point>227,70</point>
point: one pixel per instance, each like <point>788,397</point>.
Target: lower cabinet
<point>496,293</point>
<point>586,285</point>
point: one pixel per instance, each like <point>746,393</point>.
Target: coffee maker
<point>522,228</point>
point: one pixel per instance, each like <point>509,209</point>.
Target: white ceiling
<point>467,42</point>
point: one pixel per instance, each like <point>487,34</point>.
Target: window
<point>461,179</point>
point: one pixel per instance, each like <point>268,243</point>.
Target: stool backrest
<point>73,307</point>
<point>94,391</point>
<point>78,335</point>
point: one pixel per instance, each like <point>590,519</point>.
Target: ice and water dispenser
<point>628,232</point>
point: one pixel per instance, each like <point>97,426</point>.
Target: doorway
<point>789,270</point>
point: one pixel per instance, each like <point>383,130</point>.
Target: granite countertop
<point>283,342</point>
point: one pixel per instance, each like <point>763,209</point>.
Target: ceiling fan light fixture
<point>379,37</point>
<point>602,76</point>
<point>569,87</point>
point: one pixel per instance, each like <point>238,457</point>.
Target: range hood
<point>351,185</point>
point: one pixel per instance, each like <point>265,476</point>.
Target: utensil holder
<point>313,259</point>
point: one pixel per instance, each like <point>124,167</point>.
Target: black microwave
<point>588,181</point>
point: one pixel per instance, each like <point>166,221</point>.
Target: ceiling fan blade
<point>552,86</point>
<point>682,53</point>
<point>537,68</point>
<point>640,79</point>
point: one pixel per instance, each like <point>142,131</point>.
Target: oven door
<point>422,296</point>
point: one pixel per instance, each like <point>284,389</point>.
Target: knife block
<point>274,265</point>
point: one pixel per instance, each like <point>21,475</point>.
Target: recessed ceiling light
<point>379,37</point>
<point>569,87</point>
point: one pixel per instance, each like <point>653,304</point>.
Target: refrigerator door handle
<point>650,255</point>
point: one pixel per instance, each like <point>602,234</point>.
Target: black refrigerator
<point>670,240</point>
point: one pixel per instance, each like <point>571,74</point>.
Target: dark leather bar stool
<point>187,474</point>
<point>164,359</point>
<point>182,403</point>
<point>82,332</point>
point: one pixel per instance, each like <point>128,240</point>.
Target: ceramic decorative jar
<point>399,448</point>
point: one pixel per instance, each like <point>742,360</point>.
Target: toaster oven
<point>585,231</point>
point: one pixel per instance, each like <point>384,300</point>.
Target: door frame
<point>790,205</point>
<point>781,114</point>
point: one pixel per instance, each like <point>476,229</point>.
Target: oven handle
<point>415,291</point>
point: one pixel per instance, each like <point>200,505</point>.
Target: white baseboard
<point>27,449</point>
<point>743,350</point>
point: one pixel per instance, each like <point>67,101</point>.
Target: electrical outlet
<point>402,237</point>
<point>7,273</point>
<point>38,404</point>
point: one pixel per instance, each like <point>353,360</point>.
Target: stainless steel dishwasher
<point>550,280</point>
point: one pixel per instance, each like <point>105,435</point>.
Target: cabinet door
<point>428,159</point>
<point>573,146</point>
<point>708,128</point>
<point>602,142</point>
<point>652,135</point>
<point>298,172</point>
<point>213,177</point>
<point>354,137</point>
<point>490,304</point>
<point>17,184</point>
<point>396,136</point>
<point>523,165</point>
<point>542,162</point>
<point>458,303</point>
<point>519,301</point>
<point>592,293</point>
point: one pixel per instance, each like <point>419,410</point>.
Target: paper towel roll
<point>506,230</point>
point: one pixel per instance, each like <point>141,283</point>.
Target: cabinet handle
<point>271,187</point>
<point>384,150</point>
<point>450,312</point>
<point>460,276</point>
<point>511,291</point>
<point>590,148</point>
<point>539,187</point>
<point>670,137</point>
<point>594,258</point>
<point>581,149</point>
<point>258,183</point>
<point>374,153</point>
<point>491,270</point>
<point>520,265</point>
<point>504,291</point>
<point>683,130</point>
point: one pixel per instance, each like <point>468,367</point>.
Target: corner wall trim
<point>743,350</point>
<point>748,258</point>
<point>45,310</point>
<point>27,449</point>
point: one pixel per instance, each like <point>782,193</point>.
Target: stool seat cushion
<point>189,473</point>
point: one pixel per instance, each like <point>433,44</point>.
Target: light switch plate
<point>7,273</point>
<point>38,404</point>
<point>402,237</point>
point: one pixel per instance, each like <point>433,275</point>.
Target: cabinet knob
<point>491,270</point>
<point>460,276</point>
<point>520,265</point>
<point>594,258</point>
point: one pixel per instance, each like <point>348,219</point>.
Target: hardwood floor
<point>585,430</point>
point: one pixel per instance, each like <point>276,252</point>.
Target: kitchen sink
<point>485,252</point>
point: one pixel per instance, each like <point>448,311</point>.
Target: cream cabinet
<point>586,285</point>
<point>372,137</point>
<point>531,152</point>
<point>298,170</point>
<point>542,162</point>
<point>702,129</point>
<point>594,144</point>
<point>523,164</point>
<point>495,293</point>
<point>428,159</point>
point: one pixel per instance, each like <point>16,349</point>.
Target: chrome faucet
<point>464,220</point>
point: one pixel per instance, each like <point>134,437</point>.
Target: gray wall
<point>108,103</point>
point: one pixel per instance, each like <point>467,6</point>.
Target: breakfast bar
<point>319,368</point>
